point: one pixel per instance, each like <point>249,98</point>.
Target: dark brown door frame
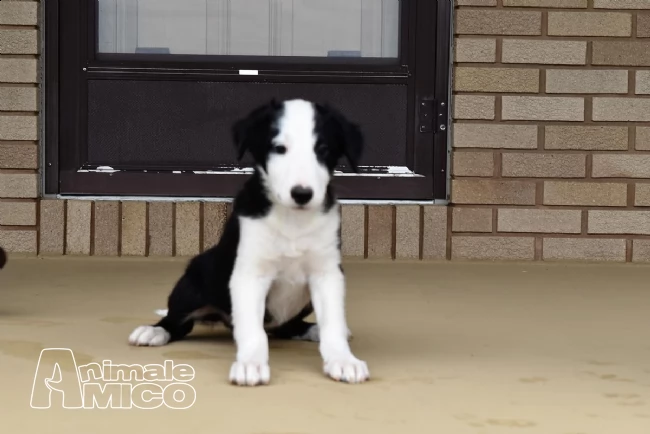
<point>78,62</point>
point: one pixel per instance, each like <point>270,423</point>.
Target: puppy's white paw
<point>250,374</point>
<point>149,336</point>
<point>349,370</point>
<point>313,334</point>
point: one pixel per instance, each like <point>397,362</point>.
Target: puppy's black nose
<point>302,195</point>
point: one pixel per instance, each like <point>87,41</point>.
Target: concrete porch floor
<point>452,348</point>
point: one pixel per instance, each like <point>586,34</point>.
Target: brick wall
<point>19,54</point>
<point>133,228</point>
<point>551,149</point>
<point>552,130</point>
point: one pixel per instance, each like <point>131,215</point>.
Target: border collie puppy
<point>279,257</point>
<point>3,258</point>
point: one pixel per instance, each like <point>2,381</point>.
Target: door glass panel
<point>305,28</point>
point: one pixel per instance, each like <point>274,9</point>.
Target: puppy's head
<point>296,145</point>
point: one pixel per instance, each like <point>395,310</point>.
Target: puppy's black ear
<point>252,131</point>
<point>347,135</point>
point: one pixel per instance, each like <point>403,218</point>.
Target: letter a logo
<point>51,377</point>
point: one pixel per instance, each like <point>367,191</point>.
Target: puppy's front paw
<point>250,374</point>
<point>149,336</point>
<point>349,370</point>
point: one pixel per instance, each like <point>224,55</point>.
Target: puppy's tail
<point>3,257</point>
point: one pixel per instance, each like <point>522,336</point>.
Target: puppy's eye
<point>280,149</point>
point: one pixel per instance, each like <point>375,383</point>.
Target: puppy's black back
<point>208,274</point>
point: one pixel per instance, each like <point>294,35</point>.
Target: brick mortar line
<point>534,8</point>
<point>589,109</point>
<point>552,123</point>
<point>119,227</point>
<point>174,214</point>
<point>555,38</point>
<point>541,138</point>
<point>629,250</point>
<point>551,151</point>
<point>448,233</point>
<point>15,228</point>
<point>19,171</point>
<point>65,227</point>
<point>498,163</point>
<point>546,66</point>
<point>19,113</point>
<point>93,223</point>
<point>393,230</point>
<point>19,27</point>
<point>38,227</point>
<point>421,229</point>
<point>202,226</point>
<point>19,142</point>
<point>498,108</point>
<point>531,179</point>
<point>19,200</point>
<point>366,227</point>
<point>20,56</point>
<point>498,52</point>
<point>550,37</point>
<point>554,152</point>
<point>553,207</point>
<point>147,230</point>
<point>589,7</point>
<point>598,236</point>
<point>19,85</point>
<point>625,95</point>
<point>631,194</point>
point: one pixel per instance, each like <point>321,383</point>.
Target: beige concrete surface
<point>452,348</point>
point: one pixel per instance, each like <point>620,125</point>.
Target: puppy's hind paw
<point>149,336</point>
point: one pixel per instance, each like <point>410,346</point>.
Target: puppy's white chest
<point>289,293</point>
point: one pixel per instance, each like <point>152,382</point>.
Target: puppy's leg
<point>327,286</point>
<point>248,290</point>
<point>179,321</point>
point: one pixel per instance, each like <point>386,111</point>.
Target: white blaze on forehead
<point>299,165</point>
<point>296,125</point>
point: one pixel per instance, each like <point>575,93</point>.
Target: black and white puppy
<point>279,257</point>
